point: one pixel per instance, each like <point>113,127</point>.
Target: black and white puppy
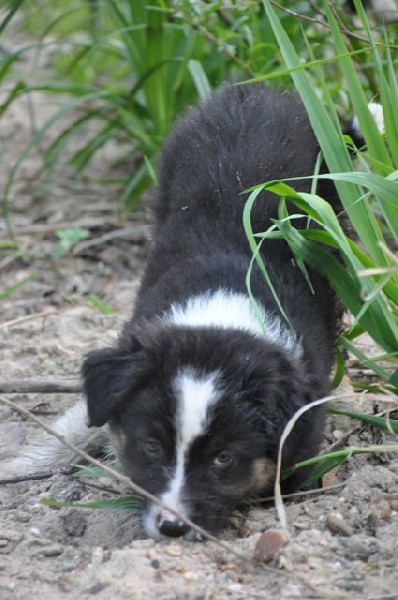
<point>199,388</point>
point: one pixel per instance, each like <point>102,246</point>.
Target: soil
<point>341,543</point>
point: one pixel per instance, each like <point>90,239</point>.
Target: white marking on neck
<point>225,309</point>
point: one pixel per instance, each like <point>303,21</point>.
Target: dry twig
<point>24,318</point>
<point>40,386</point>
<point>34,477</point>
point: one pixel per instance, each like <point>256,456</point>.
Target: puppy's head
<point>196,416</point>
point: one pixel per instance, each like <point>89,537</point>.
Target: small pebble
<point>75,523</point>
<point>106,482</point>
<point>235,587</point>
<point>153,554</point>
<point>268,546</point>
<point>286,564</point>
<point>244,532</point>
<point>358,547</point>
<point>394,504</point>
<point>97,556</point>
<point>290,591</point>
<point>381,506</point>
<point>22,516</point>
<point>330,479</point>
<point>227,567</point>
<point>301,524</point>
<point>65,583</point>
<point>96,588</point>
<point>350,585</point>
<point>337,434</point>
<point>9,536</point>
<point>3,564</point>
<point>336,524</point>
<point>53,550</point>
<point>173,550</point>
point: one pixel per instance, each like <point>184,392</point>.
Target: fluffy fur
<point>198,389</point>
<point>199,386</point>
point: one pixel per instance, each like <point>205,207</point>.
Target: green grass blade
<point>99,304</point>
<point>13,288</point>
<point>200,79</point>
<point>345,342</point>
<point>119,503</point>
<point>14,6</point>
<point>389,425</point>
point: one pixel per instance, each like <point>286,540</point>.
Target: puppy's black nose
<point>172,527</point>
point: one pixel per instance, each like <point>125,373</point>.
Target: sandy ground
<point>341,543</point>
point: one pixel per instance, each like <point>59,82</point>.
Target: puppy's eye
<point>224,459</point>
<point>152,447</point>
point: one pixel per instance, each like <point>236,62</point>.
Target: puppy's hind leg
<point>47,453</point>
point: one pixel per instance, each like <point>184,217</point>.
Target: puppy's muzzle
<point>170,525</point>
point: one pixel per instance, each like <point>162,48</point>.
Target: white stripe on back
<point>228,310</point>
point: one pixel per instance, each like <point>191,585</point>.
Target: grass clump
<point>365,274</point>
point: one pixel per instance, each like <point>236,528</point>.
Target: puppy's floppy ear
<point>107,375</point>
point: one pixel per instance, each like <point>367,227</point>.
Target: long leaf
<point>119,503</point>
<point>380,422</point>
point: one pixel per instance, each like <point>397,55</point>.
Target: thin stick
<point>25,318</point>
<point>34,477</point>
<point>40,386</point>
<point>306,493</point>
<point>137,233</point>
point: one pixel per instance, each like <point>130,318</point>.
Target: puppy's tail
<point>47,453</point>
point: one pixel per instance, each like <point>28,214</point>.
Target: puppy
<point>199,386</point>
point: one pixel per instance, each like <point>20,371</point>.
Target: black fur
<point>243,136</point>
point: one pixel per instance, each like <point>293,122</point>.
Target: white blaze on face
<point>195,395</point>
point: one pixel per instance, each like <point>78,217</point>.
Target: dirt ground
<point>342,543</point>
